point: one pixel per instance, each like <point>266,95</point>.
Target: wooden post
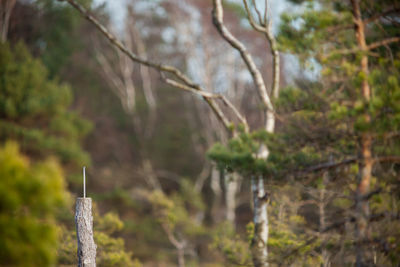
<point>84,229</point>
<point>84,233</point>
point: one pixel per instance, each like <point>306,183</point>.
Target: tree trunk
<point>6,7</point>
<point>261,227</point>
<point>216,176</point>
<point>231,188</point>
<point>181,257</point>
<point>322,202</point>
<point>366,162</point>
<point>84,233</point>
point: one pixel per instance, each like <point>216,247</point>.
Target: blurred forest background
<point>171,185</point>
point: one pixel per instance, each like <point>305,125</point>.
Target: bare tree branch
<point>384,13</point>
<point>257,11</point>
<point>330,165</point>
<point>266,29</point>
<point>383,42</point>
<point>388,159</point>
<point>367,49</point>
<point>241,118</point>
<point>253,23</point>
<point>368,20</point>
<point>179,245</point>
<point>207,96</point>
<point>159,66</point>
<point>187,82</point>
<point>254,71</point>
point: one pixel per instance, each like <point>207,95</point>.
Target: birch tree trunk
<point>84,233</point>
<point>261,227</point>
<point>231,188</point>
<point>260,239</point>
<point>215,178</point>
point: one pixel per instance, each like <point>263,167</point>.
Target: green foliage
<point>110,223</point>
<point>110,249</point>
<point>34,109</point>
<point>241,155</point>
<point>236,8</point>
<point>177,216</point>
<point>57,28</point>
<point>25,89</point>
<point>322,122</point>
<point>30,196</point>
<point>288,238</point>
<point>305,33</point>
<point>330,115</point>
<point>177,212</point>
<point>231,245</point>
<point>192,198</point>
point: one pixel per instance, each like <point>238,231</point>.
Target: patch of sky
<point>117,10</point>
<point>169,35</point>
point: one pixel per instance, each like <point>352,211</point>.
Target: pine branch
<point>383,42</point>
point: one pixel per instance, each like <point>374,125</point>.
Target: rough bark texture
<point>84,232</point>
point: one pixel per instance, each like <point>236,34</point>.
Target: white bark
<point>218,16</point>
<point>231,188</point>
<point>270,122</point>
<point>260,201</point>
<point>84,233</point>
<point>261,226</point>
<point>215,186</point>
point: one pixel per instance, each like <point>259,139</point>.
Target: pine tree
<point>35,110</point>
<point>31,195</point>
<point>349,117</point>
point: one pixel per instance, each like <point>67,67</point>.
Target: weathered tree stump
<point>84,232</point>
